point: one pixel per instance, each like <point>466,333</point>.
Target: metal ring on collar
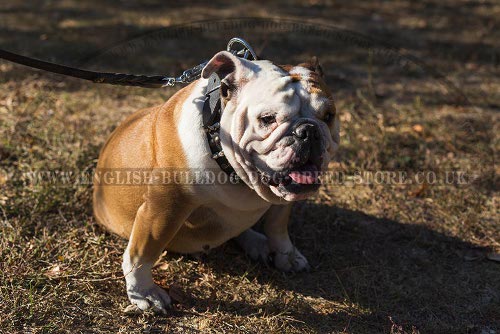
<point>244,52</point>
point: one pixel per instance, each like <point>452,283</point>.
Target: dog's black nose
<point>306,131</point>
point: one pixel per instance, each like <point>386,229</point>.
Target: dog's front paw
<point>292,260</point>
<point>154,298</point>
<point>255,245</point>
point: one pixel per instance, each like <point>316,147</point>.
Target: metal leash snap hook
<point>244,51</point>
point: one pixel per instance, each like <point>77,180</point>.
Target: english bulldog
<point>278,131</point>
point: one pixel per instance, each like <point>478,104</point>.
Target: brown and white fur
<point>190,218</point>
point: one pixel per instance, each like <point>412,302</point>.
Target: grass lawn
<point>386,257</point>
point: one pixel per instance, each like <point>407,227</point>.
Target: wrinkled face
<point>279,128</point>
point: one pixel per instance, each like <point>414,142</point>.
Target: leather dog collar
<point>213,108</point>
<point>212,112</point>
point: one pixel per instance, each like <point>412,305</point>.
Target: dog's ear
<point>223,63</point>
<point>228,67</point>
<point>314,65</point>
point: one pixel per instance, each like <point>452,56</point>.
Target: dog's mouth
<point>296,182</point>
<point>306,174</point>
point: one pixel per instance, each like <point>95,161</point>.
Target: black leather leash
<point>147,81</point>
<point>212,108</point>
<point>155,81</point>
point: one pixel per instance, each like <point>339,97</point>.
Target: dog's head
<point>279,127</point>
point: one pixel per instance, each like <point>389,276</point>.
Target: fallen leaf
<point>3,178</point>
<point>162,266</point>
<point>419,192</point>
<point>204,324</point>
<point>53,271</point>
<point>132,309</point>
<point>418,128</point>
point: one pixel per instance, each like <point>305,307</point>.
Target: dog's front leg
<point>156,223</point>
<point>286,256</point>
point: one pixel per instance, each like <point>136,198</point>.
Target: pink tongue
<point>307,175</point>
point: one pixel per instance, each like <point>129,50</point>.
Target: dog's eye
<point>267,119</point>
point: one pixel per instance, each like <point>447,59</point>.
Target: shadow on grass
<point>373,273</point>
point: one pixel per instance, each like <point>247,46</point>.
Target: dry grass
<point>386,258</point>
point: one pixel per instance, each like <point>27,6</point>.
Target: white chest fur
<point>230,208</point>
